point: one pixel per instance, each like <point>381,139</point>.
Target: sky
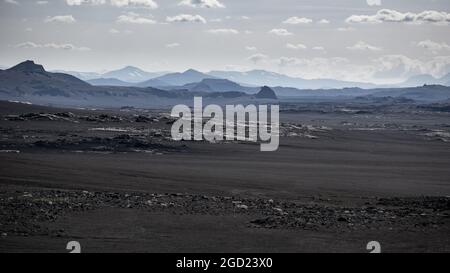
<point>380,41</point>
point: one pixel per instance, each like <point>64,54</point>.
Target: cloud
<point>251,48</point>
<point>363,46</point>
<point>184,18</point>
<point>67,19</point>
<point>400,66</point>
<point>145,3</point>
<point>83,2</point>
<point>374,2</point>
<point>223,31</point>
<point>319,48</point>
<point>202,3</point>
<point>52,46</point>
<point>296,47</point>
<point>134,18</point>
<point>280,32</point>
<point>345,29</point>
<point>393,16</point>
<point>173,45</point>
<point>433,47</point>
<point>42,2</point>
<point>151,4</point>
<point>14,2</point>
<point>324,21</point>
<point>297,21</point>
<point>258,58</point>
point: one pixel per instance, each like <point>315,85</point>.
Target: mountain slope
<point>217,85</point>
<point>30,78</point>
<point>179,79</point>
<point>130,74</point>
<point>85,76</point>
<point>109,82</point>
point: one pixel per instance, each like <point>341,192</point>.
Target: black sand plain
<point>345,174</point>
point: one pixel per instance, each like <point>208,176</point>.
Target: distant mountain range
<point>133,76</point>
<point>262,77</point>
<point>28,81</point>
<point>128,74</point>
<point>109,82</point>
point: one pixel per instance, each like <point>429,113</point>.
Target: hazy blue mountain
<point>445,80</point>
<point>85,76</point>
<point>262,77</point>
<point>217,85</point>
<point>152,83</point>
<point>179,79</point>
<point>131,74</point>
<point>109,82</point>
<point>421,93</point>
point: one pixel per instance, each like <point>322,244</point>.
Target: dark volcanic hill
<point>266,93</point>
<point>30,78</point>
<point>218,85</point>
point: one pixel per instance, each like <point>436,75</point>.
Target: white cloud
<point>296,47</point>
<point>433,47</point>
<point>324,21</point>
<point>319,48</point>
<point>151,4</point>
<point>183,18</point>
<point>251,48</point>
<point>67,19</point>
<point>202,3</point>
<point>400,66</point>
<point>114,31</point>
<point>42,2</point>
<point>82,2</point>
<point>144,3</point>
<point>134,18</point>
<point>14,2</point>
<point>223,31</point>
<point>387,15</point>
<point>363,46</point>
<point>345,29</point>
<point>374,2</point>
<point>173,45</point>
<point>258,58</point>
<point>297,20</point>
<point>280,32</point>
<point>52,46</point>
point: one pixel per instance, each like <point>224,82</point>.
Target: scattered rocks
<point>24,213</point>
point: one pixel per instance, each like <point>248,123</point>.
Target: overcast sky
<point>373,40</point>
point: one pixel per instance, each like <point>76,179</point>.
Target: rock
<point>240,206</point>
<point>266,93</point>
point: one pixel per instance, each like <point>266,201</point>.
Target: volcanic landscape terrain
<point>346,173</point>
